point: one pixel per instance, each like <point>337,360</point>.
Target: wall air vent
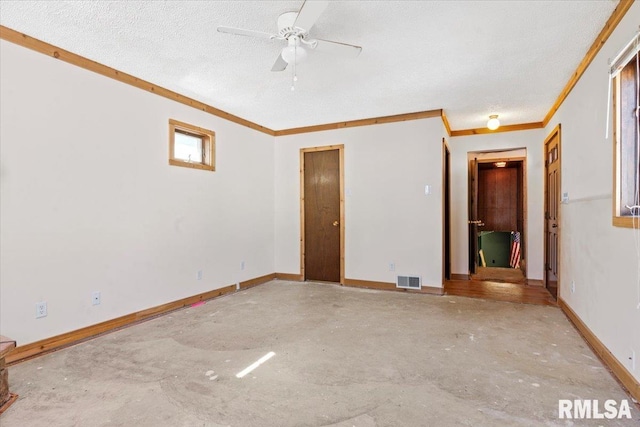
<point>409,282</point>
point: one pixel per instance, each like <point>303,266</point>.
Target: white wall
<point>89,203</point>
<point>388,217</point>
<point>599,257</point>
<point>532,141</point>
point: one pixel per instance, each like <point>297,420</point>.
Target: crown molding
<point>601,39</point>
<point>506,128</point>
<point>64,55</point>
<point>361,122</point>
<point>445,121</point>
<point>82,62</point>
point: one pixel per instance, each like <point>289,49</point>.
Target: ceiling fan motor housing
<point>286,28</point>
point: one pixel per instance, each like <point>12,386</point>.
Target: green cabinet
<point>496,247</point>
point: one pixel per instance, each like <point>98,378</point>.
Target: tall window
<point>626,137</point>
<point>191,146</point>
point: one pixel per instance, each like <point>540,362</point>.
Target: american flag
<point>514,258</point>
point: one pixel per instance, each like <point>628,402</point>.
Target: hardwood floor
<point>499,291</point>
<point>499,274</point>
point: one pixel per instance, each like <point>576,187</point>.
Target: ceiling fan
<point>293,27</point>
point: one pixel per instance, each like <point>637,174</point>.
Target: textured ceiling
<point>471,58</point>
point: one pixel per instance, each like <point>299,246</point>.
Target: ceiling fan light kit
<point>293,27</point>
<point>294,52</point>
<point>493,122</point>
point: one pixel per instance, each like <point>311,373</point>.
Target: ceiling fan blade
<point>248,33</point>
<point>280,64</point>
<point>337,48</point>
<point>309,14</point>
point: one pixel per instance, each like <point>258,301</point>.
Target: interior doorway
<point>497,216</point>
<point>322,213</point>
<point>446,212</point>
<point>552,211</point>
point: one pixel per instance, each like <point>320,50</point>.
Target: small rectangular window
<point>627,140</point>
<point>191,146</point>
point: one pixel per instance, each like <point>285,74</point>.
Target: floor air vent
<point>408,282</point>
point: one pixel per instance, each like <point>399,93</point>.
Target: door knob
<point>335,223</point>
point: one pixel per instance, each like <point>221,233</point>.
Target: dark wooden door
<point>552,206</point>
<point>498,198</point>
<point>474,222</point>
<point>322,215</point>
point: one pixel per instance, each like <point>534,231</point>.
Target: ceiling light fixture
<point>293,54</point>
<point>500,164</point>
<point>493,122</point>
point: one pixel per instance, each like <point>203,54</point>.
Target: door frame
<point>556,131</point>
<point>472,214</point>
<point>340,149</point>
<point>446,211</point>
<point>525,220</point>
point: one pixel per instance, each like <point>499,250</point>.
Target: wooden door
<point>552,211</point>
<point>321,200</point>
<point>474,222</point>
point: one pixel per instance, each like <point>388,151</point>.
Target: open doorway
<point>497,216</point>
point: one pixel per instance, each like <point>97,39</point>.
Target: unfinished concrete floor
<point>343,357</point>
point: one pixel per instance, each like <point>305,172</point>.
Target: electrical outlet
<point>199,275</point>
<point>392,266</point>
<point>95,298</point>
<point>241,265</point>
<point>633,360</point>
<point>41,309</point>
<point>573,286</point>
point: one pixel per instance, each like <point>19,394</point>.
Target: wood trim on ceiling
<point>608,28</point>
<point>618,369</point>
<point>611,24</point>
<point>362,122</point>
<point>506,128</point>
<point>45,48</point>
<point>58,342</point>
<point>445,121</point>
<point>55,52</point>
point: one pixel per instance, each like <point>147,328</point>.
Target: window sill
<point>626,221</point>
<point>174,162</point>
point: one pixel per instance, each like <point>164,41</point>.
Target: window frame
<point>208,145</point>
<point>620,220</point>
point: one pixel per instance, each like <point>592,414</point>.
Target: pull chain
<point>295,60</point>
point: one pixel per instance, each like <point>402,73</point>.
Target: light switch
<point>427,190</point>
